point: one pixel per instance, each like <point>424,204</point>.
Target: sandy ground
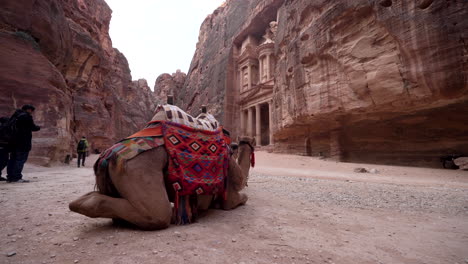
<point>300,210</point>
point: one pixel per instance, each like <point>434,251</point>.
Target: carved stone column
<point>258,134</point>
<point>249,77</point>
<point>260,70</point>
<point>242,121</point>
<point>335,145</point>
<point>268,67</point>
<point>250,132</point>
<point>241,85</point>
<point>270,124</point>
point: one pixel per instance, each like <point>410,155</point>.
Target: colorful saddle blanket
<point>129,148</point>
<point>198,159</point>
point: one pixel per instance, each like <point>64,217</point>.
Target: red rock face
<point>372,81</point>
<point>212,74</point>
<point>27,76</point>
<point>167,84</point>
<point>58,56</point>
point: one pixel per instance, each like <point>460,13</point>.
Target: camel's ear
<point>237,139</point>
<point>253,141</point>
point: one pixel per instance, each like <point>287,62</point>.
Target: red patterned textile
<point>198,159</point>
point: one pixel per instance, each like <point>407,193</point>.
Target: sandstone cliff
<point>366,80</point>
<point>167,84</point>
<point>58,56</point>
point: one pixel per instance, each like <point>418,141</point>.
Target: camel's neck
<point>244,160</point>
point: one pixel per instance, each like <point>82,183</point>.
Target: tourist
<point>82,149</point>
<point>21,144</point>
<point>4,152</point>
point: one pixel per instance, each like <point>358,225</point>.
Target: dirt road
<point>300,210</point>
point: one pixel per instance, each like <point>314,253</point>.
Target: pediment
<point>258,91</point>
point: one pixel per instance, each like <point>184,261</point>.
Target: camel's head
<point>247,148</point>
<point>246,141</point>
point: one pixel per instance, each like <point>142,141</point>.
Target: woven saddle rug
<point>129,148</point>
<point>198,164</point>
<point>198,159</point>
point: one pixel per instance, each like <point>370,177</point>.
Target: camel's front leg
<point>140,183</point>
<point>204,202</point>
<point>95,205</point>
<point>234,199</point>
<point>235,184</point>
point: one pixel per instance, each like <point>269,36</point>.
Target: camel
<point>136,193</point>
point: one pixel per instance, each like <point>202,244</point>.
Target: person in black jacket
<point>4,150</point>
<point>21,144</point>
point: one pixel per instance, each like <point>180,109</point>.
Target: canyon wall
<point>211,75</point>
<point>167,84</point>
<point>58,56</point>
<point>368,80</point>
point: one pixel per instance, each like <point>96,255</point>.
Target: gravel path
<point>366,195</point>
<point>300,210</point>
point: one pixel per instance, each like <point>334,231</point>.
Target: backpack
<point>8,129</point>
<point>81,145</point>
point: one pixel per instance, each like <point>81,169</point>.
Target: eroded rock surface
<point>167,84</point>
<point>462,163</point>
<point>372,81</point>
<point>58,56</point>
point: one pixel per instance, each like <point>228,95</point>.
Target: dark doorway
<point>308,146</point>
<point>265,124</point>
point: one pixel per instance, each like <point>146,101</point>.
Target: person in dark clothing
<point>82,148</point>
<point>4,150</point>
<point>21,144</point>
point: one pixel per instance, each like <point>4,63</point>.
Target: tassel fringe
<point>185,209</point>
<point>252,159</point>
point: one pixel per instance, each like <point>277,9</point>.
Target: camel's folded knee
<point>77,205</point>
<point>237,200</point>
<point>87,204</point>
<point>243,199</point>
<point>74,206</point>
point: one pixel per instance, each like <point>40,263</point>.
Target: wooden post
<point>170,100</point>
<point>203,109</point>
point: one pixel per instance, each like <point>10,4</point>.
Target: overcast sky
<point>158,36</point>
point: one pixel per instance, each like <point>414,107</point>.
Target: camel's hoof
<point>243,199</point>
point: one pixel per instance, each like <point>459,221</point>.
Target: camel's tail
<point>104,183</point>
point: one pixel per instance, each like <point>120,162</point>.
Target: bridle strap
<point>247,143</point>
